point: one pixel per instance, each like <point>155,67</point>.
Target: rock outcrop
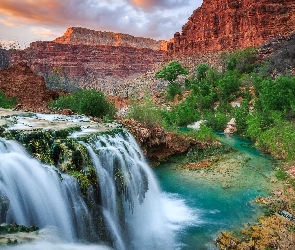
<point>233,24</point>
<point>83,36</point>
<point>157,143</point>
<point>19,81</point>
<point>231,127</point>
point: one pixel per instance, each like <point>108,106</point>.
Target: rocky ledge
<point>158,143</point>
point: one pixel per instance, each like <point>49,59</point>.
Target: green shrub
<point>201,71</point>
<point>203,134</point>
<point>228,85</point>
<point>7,102</point>
<point>145,112</point>
<point>216,120</point>
<point>281,175</point>
<point>87,102</point>
<point>181,114</point>
<point>277,94</point>
<point>279,140</point>
<point>207,101</point>
<point>240,114</point>
<point>171,71</point>
<point>173,90</point>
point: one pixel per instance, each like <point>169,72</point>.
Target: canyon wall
<point>233,24</point>
<point>102,67</point>
<point>79,36</point>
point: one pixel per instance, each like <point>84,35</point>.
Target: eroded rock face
<point>157,143</point>
<point>19,81</point>
<point>83,36</point>
<point>90,66</point>
<point>233,24</point>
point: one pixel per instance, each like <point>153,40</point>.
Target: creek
<point>220,198</point>
<point>136,207</point>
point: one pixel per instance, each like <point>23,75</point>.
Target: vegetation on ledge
<point>87,102</point>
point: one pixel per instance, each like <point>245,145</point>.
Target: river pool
<point>220,198</point>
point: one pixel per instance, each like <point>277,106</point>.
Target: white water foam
<point>146,218</point>
<point>180,215</point>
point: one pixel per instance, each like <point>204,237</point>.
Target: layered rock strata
<point>83,36</point>
<point>102,67</point>
<point>233,24</point>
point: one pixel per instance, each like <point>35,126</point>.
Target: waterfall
<point>129,202</point>
<point>131,198</point>
<point>40,195</point>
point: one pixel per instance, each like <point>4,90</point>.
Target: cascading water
<point>130,195</point>
<point>40,195</point>
<point>131,204</point>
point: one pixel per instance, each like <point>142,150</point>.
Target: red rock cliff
<point>90,66</point>
<point>19,81</point>
<point>220,25</point>
<point>78,35</point>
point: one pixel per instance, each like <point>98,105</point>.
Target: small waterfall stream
<point>130,200</point>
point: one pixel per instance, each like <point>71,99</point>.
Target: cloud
<point>43,32</point>
<point>154,4</point>
<point>158,19</point>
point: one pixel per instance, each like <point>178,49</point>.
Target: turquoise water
<point>214,208</point>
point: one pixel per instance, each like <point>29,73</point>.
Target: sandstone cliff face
<point>90,66</point>
<point>19,81</point>
<point>78,35</point>
<point>233,24</point>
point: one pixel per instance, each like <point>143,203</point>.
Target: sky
<point>25,21</point>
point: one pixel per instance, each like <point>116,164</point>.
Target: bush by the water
<point>7,102</point>
<point>181,114</point>
<point>145,111</point>
<point>87,102</point>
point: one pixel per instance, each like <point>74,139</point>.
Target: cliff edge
<point>83,36</point>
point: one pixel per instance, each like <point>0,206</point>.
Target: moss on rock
<point>56,148</point>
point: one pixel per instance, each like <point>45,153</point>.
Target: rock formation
<point>90,66</point>
<point>83,36</point>
<point>19,81</point>
<point>233,24</point>
<point>231,127</point>
<point>158,144</point>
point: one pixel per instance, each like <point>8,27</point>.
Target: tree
<point>201,71</point>
<point>171,72</point>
